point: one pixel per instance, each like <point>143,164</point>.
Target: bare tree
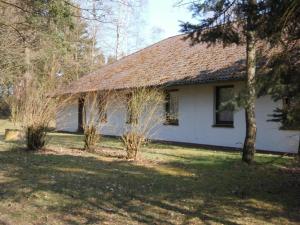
<point>120,35</point>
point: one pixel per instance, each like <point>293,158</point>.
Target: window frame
<point>104,118</point>
<point>129,115</point>
<point>217,121</point>
<point>168,120</point>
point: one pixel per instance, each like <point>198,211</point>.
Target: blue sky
<point>164,15</point>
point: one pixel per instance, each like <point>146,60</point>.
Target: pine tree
<point>282,79</point>
<point>244,23</point>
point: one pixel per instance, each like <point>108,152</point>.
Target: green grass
<point>170,185</point>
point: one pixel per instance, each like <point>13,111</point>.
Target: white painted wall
<point>67,118</point>
<point>196,120</point>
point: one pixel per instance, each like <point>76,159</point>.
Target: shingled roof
<point>172,61</point>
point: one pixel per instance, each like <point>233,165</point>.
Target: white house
<point>197,80</point>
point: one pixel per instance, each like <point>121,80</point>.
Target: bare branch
<point>15,6</point>
<point>16,30</point>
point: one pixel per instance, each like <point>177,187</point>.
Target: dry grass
<point>171,185</point>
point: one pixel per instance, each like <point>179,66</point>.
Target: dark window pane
<point>226,116</point>
<point>172,107</point>
<point>224,113</point>
<point>102,108</point>
<point>131,112</point>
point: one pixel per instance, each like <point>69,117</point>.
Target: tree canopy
<point>275,23</point>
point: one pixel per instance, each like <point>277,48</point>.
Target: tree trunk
<point>250,139</point>
<point>94,36</point>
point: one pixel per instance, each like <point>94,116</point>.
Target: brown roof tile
<point>169,62</point>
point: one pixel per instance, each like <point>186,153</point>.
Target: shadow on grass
<point>75,141</point>
<point>93,190</point>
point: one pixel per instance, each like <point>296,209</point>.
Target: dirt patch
<point>105,153</point>
<point>111,152</point>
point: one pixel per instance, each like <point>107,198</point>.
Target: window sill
<point>223,125</point>
<point>170,124</point>
<point>131,122</point>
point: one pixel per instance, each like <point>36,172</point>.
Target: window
<point>102,106</point>
<point>172,107</point>
<point>131,112</point>
<point>224,110</point>
<point>102,113</point>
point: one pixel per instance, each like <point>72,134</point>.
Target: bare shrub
<point>95,115</point>
<point>143,116</point>
<point>133,142</point>
<point>36,137</point>
<point>33,109</point>
<point>91,137</point>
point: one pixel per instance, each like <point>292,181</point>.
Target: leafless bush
<point>33,109</point>
<point>35,137</point>
<point>95,115</point>
<point>143,116</point>
<point>91,137</point>
<point>133,142</point>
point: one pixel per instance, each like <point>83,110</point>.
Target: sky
<point>157,20</point>
<point>165,16</point>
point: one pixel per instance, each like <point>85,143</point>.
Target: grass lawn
<point>169,185</point>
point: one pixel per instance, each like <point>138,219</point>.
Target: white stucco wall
<point>67,118</point>
<point>196,120</point>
